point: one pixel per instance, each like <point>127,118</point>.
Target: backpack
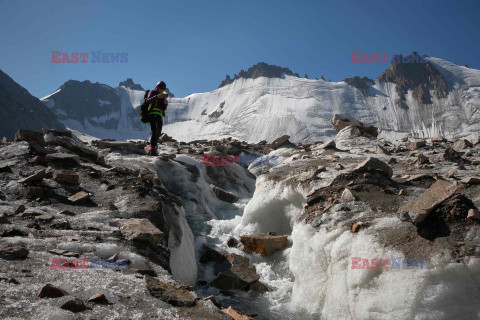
<point>144,108</point>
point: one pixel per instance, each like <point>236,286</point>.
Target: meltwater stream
<point>273,270</point>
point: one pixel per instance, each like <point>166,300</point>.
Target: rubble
<point>263,243</point>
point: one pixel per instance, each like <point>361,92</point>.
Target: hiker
<point>157,104</point>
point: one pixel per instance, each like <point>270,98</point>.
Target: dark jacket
<point>156,102</point>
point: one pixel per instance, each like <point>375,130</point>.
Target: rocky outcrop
<point>340,122</point>
<point>261,69</point>
<point>419,77</point>
<point>141,230</point>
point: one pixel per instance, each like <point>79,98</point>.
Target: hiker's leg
<point>156,131</point>
<point>153,136</point>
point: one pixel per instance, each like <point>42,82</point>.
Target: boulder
<point>224,195</point>
<point>57,133</point>
<point>417,145</point>
<point>64,176</point>
<point>279,142</point>
<point>238,276</point>
<point>29,135</point>
<point>141,230</point>
<point>51,291</point>
<point>264,243</point>
<point>347,196</point>
<point>340,122</point>
<point>418,209</point>
<point>74,305</point>
<point>98,298</point>
<point>461,144</point>
<point>169,293</point>
<point>374,164</point>
<point>453,156</point>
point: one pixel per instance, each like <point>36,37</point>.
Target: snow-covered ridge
<point>266,108</point>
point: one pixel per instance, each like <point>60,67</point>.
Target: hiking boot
<point>152,152</point>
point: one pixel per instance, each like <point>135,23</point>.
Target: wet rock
<point>418,209</point>
<point>235,314</point>
<point>417,145</point>
<point>238,276</point>
<point>461,144</point>
<point>473,214</point>
<point>51,291</point>
<point>176,296</point>
<point>208,254</point>
<point>29,135</point>
<point>258,286</point>
<point>224,195</point>
<point>340,122</point>
<point>79,197</point>
<point>263,243</point>
<point>232,242</point>
<point>347,196</point>
<point>38,176</point>
<point>141,230</point>
<point>64,176</point>
<point>374,164</point>
<point>74,305</point>
<point>98,298</point>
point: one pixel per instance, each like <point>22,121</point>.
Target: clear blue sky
<point>192,45</point>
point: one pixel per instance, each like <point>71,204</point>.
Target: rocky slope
<point>19,109</point>
<point>355,227</point>
<point>423,100</point>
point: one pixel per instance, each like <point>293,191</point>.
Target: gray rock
<point>29,135</point>
<point>38,176</point>
<point>13,252</point>
<point>224,195</point>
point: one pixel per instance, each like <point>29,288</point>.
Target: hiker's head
<point>161,85</point>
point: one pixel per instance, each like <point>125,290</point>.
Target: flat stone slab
<point>418,209</point>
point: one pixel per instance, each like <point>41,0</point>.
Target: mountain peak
<point>130,84</point>
<point>261,69</point>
